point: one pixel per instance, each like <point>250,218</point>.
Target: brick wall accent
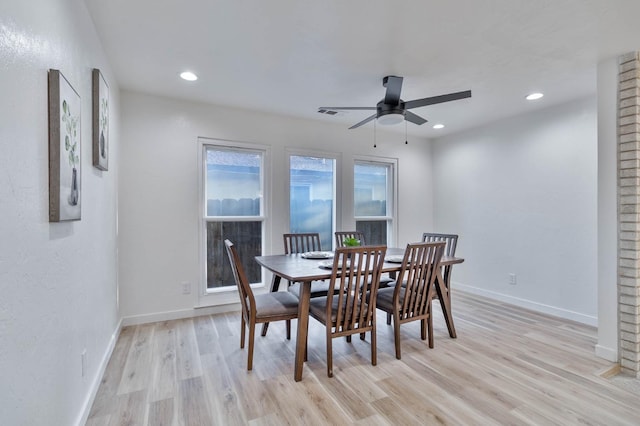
<point>629,212</point>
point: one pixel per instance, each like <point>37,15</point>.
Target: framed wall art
<point>100,121</point>
<point>64,149</point>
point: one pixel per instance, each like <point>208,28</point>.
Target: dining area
<point>344,288</point>
<point>508,365</point>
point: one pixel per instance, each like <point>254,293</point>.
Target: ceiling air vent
<point>327,111</point>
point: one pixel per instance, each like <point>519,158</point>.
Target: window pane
<point>370,189</point>
<point>247,236</point>
<point>312,196</point>
<point>234,184</point>
<point>375,231</point>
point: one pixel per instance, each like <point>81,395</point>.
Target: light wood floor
<point>507,366</point>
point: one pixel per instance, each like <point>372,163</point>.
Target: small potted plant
<point>350,242</point>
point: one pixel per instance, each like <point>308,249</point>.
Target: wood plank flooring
<point>508,366</point>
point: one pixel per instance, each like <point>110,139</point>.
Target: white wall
<point>158,196</point>
<point>607,346</point>
<point>522,195</point>
<point>58,281</point>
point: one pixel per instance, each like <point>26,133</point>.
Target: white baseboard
<point>97,379</point>
<point>609,354</point>
<point>184,313</point>
<point>534,306</point>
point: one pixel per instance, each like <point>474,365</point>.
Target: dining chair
<point>302,243</point>
<point>349,311</point>
<point>451,241</point>
<point>261,308</point>
<point>341,235</point>
<point>412,300</point>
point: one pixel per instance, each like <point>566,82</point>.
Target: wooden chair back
<point>301,242</point>
<point>353,283</point>
<point>451,241</point>
<point>247,299</point>
<point>341,235</point>
<point>418,274</point>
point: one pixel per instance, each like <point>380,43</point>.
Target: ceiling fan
<point>392,109</point>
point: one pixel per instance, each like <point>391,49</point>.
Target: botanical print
<point>64,148</point>
<point>100,121</point>
<point>72,148</point>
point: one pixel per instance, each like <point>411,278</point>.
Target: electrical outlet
<point>83,362</point>
<point>512,279</point>
<point>186,287</point>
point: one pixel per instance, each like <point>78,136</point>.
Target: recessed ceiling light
<point>189,76</point>
<point>534,96</point>
<point>438,126</point>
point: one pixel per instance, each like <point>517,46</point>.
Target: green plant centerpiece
<point>351,242</point>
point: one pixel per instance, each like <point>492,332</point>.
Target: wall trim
<point>524,303</point>
<point>97,379</point>
<point>610,354</point>
<point>180,314</point>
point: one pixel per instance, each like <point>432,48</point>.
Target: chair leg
<point>396,334</point>
<point>275,285</point>
<point>242,325</point>
<point>288,329</point>
<point>362,336</point>
<point>348,338</point>
<point>374,350</point>
<point>423,329</point>
<point>252,329</point>
<point>430,330</point>
<point>329,356</point>
<point>388,318</point>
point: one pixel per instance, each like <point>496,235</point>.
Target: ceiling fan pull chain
<point>406,142</point>
<point>374,133</point>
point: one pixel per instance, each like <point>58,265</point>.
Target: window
<point>312,189</point>
<point>234,210</point>
<point>373,200</point>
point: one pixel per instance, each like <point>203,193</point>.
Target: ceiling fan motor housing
<point>384,109</point>
<point>390,114</point>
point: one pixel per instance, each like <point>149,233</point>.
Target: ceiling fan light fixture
<point>391,119</point>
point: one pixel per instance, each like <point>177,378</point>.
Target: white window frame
<point>337,184</point>
<point>227,295</point>
<point>392,190</point>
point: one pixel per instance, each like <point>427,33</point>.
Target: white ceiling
<point>292,56</point>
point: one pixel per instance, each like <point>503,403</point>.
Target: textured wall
<point>522,194</point>
<point>159,226</point>
<point>57,280</point>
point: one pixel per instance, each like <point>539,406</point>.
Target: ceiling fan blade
<point>349,108</point>
<point>437,99</point>
<point>394,87</point>
<point>416,119</point>
<point>365,121</point>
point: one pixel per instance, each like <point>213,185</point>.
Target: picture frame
<point>64,149</point>
<point>100,122</point>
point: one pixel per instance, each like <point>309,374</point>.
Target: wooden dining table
<point>296,268</point>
